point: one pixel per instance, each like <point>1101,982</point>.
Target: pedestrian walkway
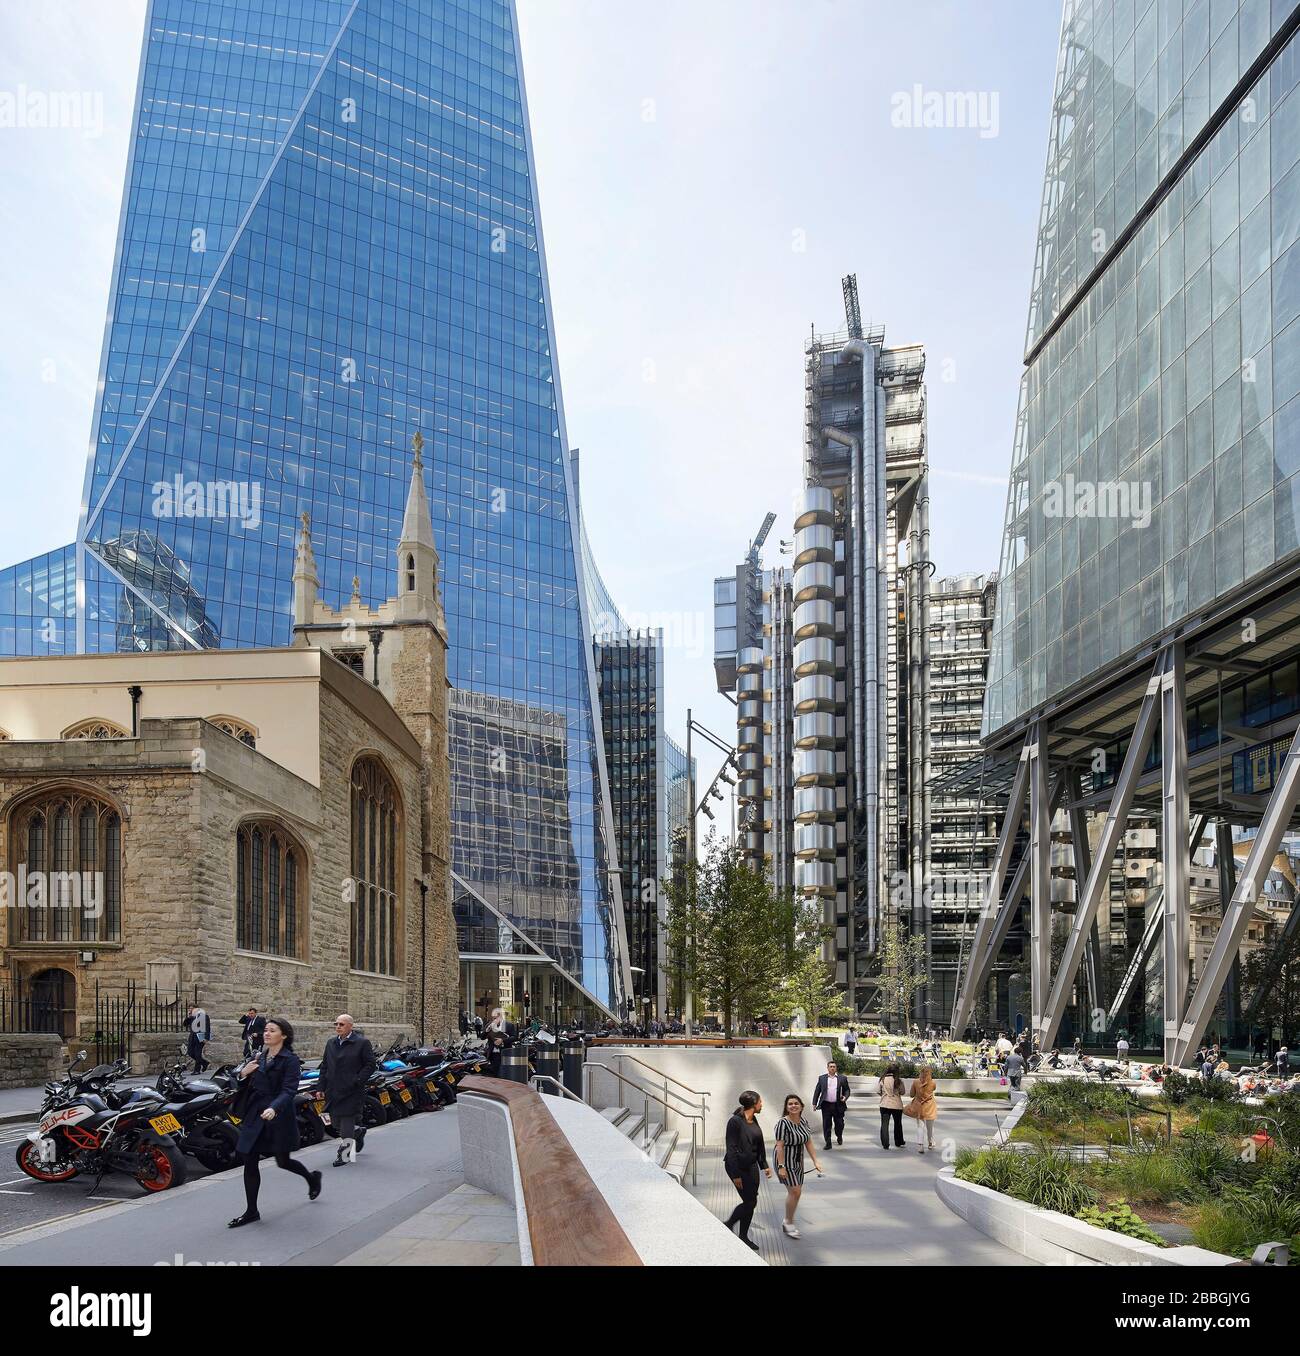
<point>468,1227</point>
<point>873,1208</point>
<point>406,1167</point>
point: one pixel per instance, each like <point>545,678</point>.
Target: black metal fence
<point>28,1012</point>
<point>123,1011</point>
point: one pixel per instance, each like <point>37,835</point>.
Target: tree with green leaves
<point>727,935</point>
<point>809,986</point>
<point>902,970</point>
<point>1273,973</point>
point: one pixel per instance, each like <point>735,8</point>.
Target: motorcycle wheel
<point>372,1113</point>
<point>161,1167</point>
<point>222,1157</point>
<point>310,1131</point>
<point>30,1163</point>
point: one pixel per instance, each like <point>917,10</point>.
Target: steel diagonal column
<point>1174,854</point>
<point>992,894</point>
<point>1040,875</point>
<point>1015,893</point>
<point>1099,876</point>
<point>1082,855</point>
<point>1227,864</point>
<point>1236,917</point>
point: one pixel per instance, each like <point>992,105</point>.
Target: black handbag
<point>239,1109</point>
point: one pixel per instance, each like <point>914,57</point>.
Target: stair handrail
<point>557,1085</point>
<point>660,1073</point>
<point>651,1095</point>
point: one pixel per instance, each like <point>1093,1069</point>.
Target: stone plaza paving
<point>872,1208</point>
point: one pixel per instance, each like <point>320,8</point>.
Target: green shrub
<point>1070,1099</point>
<point>1177,1088</point>
<point>997,1169</point>
<point>1052,1181</point>
<point>1150,1172</point>
<point>1240,1221</point>
<point>1210,1163</point>
<point>1120,1218</point>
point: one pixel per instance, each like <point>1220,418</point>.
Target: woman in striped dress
<point>791,1140</point>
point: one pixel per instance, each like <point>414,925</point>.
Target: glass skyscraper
<point>329,239</point>
<point>1163,342</point>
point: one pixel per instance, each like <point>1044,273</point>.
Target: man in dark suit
<point>345,1068</point>
<point>831,1097</point>
<point>254,1025</point>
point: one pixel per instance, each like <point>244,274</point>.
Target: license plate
<point>384,1099</point>
<point>478,1068</point>
<point>451,1078</point>
<point>166,1125</point>
<point>429,1085</point>
<point>404,1095</point>
<point>319,1104</point>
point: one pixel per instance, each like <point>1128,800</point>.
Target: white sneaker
<point>789,1230</point>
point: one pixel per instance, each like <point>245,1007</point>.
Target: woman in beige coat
<point>891,1106</point>
<point>923,1107</point>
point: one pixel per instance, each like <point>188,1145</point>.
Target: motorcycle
<point>88,1127</point>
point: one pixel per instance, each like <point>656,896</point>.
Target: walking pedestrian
<point>924,1106</point>
<point>746,1154</point>
<point>831,1098</point>
<point>254,1025</point>
<point>1283,1062</point>
<point>1121,1048</point>
<point>791,1136</point>
<point>500,1035</point>
<point>890,1090</point>
<point>1015,1068</point>
<point>345,1069</point>
<point>199,1027</point>
<point>267,1122</point>
<point>851,1041</point>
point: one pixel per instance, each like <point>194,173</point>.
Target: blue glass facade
<point>329,239</point>
<point>38,605</point>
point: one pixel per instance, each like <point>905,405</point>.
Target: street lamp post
<point>694,727</point>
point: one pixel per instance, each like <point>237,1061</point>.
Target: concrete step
<point>678,1163</point>
<point>650,1134</point>
<point>614,1114</point>
<point>663,1147</point>
<point>631,1125</point>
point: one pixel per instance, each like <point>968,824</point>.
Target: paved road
<point>873,1208</point>
<point>405,1167</point>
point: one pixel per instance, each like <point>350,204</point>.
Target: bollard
<point>548,1062</point>
<point>514,1064</point>
<point>574,1058</point>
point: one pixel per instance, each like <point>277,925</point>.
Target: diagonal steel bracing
<point>1174,852</point>
<point>1236,915</point>
<point>1049,1021</point>
<point>989,910</point>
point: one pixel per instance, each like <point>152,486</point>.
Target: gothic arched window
<point>410,573</point>
<point>236,728</point>
<point>270,890</point>
<point>376,845</point>
<point>66,858</point>
<point>95,728</point>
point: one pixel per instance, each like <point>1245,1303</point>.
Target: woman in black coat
<point>746,1154</point>
<point>269,1124</point>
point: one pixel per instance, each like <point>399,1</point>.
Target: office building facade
<point>829,659</point>
<point>330,238</point>
<point>1152,525</point>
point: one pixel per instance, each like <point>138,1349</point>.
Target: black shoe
<point>749,1243</point>
<point>314,1184</point>
<point>248,1217</point>
<point>360,1142</point>
<point>339,1160</point>
<point>840,1142</point>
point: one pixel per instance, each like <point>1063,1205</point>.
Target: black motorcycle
<point>88,1127</point>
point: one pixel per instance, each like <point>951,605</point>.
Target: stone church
<point>265,828</point>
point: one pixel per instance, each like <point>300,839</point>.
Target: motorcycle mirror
<point>81,1054</point>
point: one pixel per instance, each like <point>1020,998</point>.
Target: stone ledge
<point>1055,1239</point>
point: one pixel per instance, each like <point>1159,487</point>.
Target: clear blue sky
<point>681,145</point>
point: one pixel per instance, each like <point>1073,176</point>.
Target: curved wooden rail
<point>714,1042</point>
<point>570,1223</point>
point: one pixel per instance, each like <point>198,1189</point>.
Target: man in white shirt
<point>831,1097</point>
